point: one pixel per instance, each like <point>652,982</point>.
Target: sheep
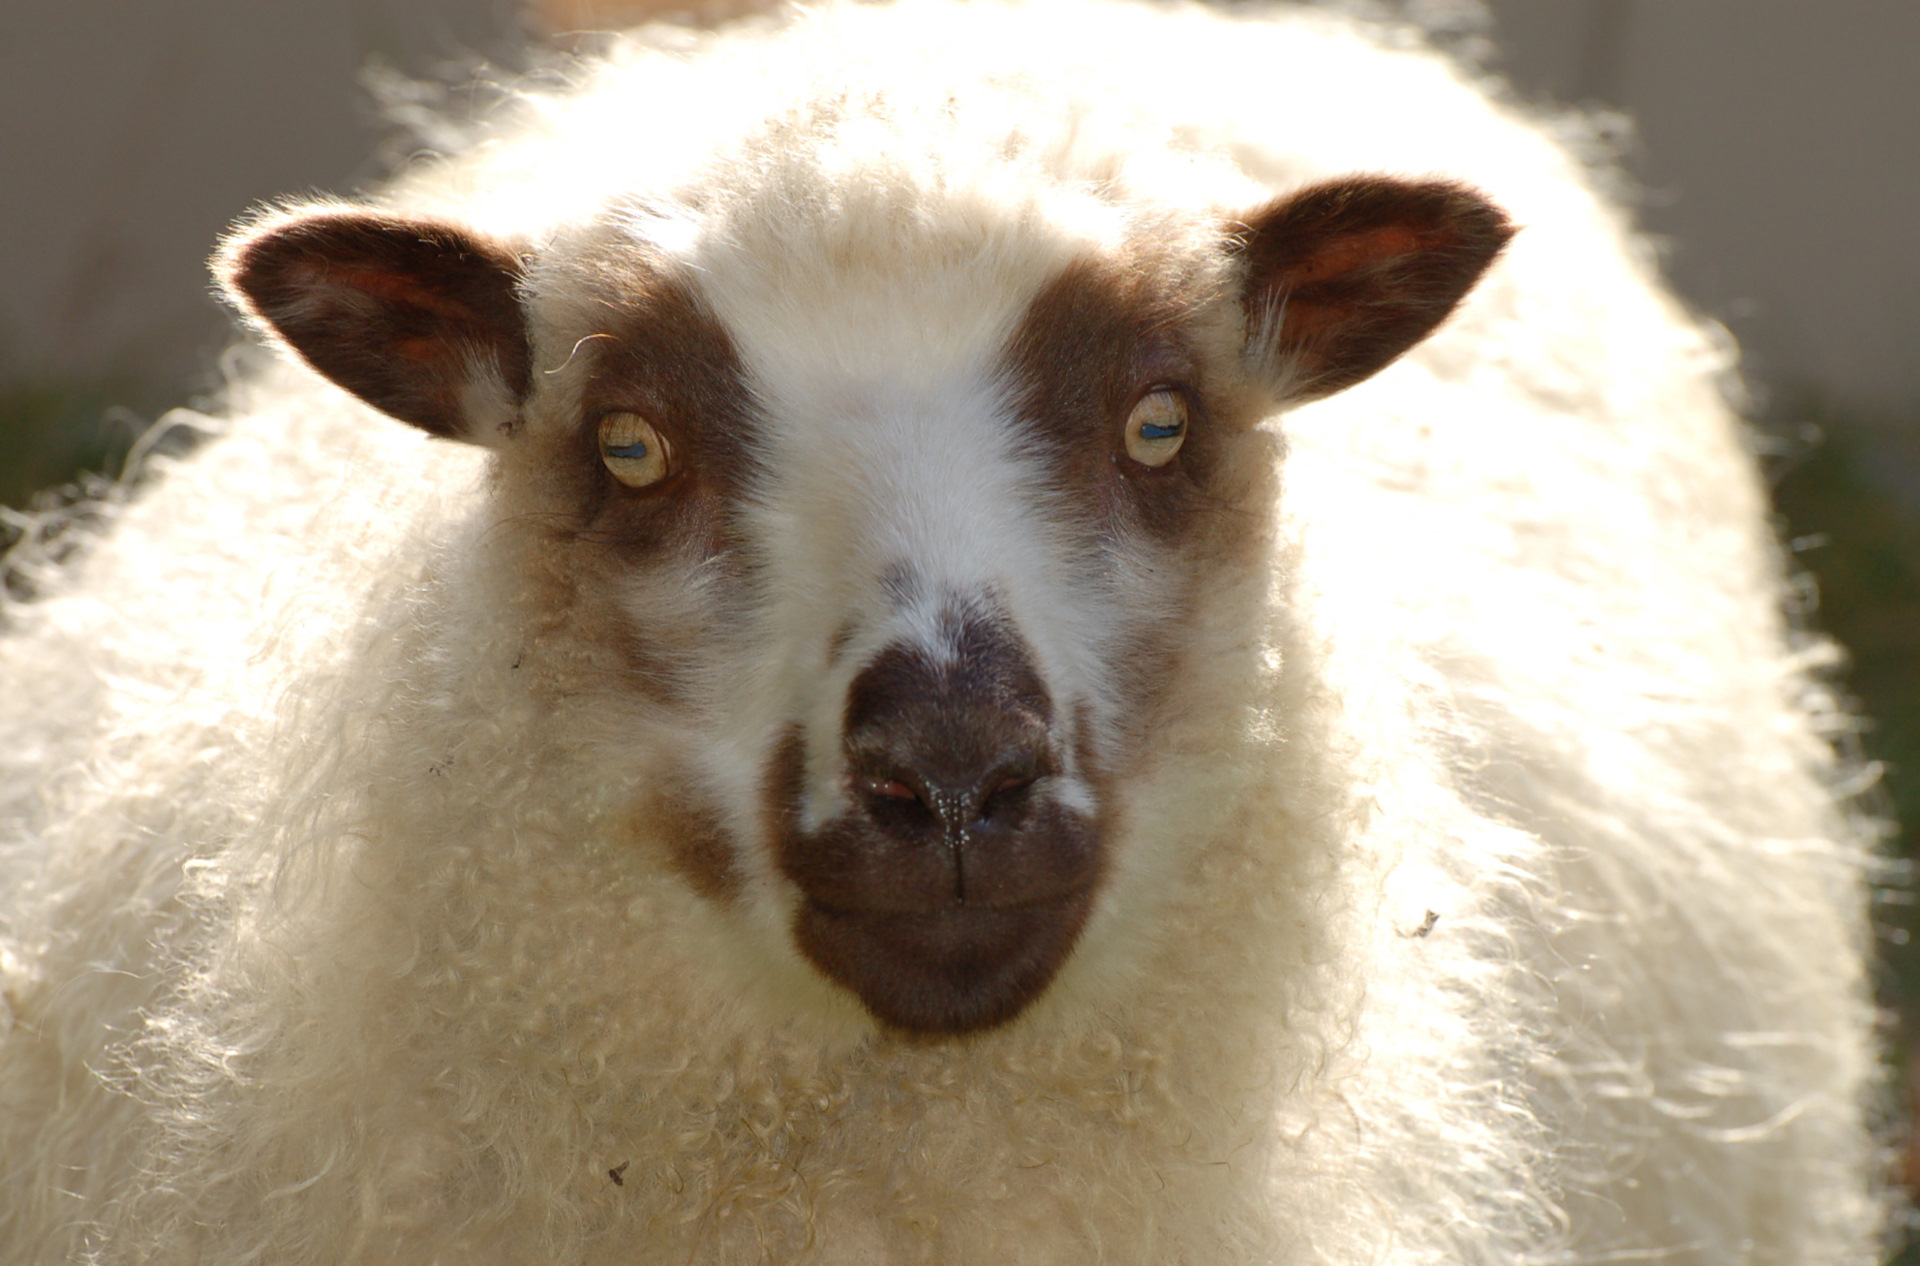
<point>1017,632</point>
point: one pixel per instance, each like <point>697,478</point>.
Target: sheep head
<point>901,520</point>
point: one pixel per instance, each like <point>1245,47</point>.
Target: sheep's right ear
<point>1343,277</point>
<point>419,318</point>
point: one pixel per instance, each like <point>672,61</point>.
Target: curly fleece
<point>1487,891</point>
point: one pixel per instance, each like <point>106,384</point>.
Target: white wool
<point>1489,896</point>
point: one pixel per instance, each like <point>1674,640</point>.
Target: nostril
<point>956,804</point>
<point>1013,782</point>
<point>899,803</point>
<point>1005,792</point>
<point>888,788</point>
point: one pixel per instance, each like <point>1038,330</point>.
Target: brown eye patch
<point>664,360</point>
<point>656,374</point>
<point>1094,345</point>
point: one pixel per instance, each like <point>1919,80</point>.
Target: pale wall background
<point>133,131</point>
<point>1779,143</point>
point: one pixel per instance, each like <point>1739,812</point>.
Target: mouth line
<point>957,906</point>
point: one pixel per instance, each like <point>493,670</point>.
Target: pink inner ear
<point>1313,317</point>
<point>429,351</point>
<point>1358,250</point>
<point>393,287</point>
<point>1359,270</point>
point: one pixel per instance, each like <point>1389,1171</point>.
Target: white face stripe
<point>889,443</point>
<point>931,505</point>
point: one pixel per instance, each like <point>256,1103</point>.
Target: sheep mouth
<point>945,933</point>
<point>944,972</point>
<point>938,928</point>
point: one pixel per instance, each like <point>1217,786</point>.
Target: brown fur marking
<point>698,846</point>
<point>666,357</point>
<point>1092,343</point>
<point>663,355</point>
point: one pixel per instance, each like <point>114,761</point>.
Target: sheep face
<point>891,536</point>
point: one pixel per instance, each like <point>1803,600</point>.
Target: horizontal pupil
<point>636,449</point>
<point>1153,431</point>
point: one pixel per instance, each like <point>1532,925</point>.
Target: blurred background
<point>1774,146</point>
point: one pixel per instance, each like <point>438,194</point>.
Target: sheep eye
<point>632,449</point>
<point>1157,428</point>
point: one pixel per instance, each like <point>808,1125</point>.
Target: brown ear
<point>416,317</point>
<point>1344,277</point>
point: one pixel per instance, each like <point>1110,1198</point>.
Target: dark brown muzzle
<point>951,892</point>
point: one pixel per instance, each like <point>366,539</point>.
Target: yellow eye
<point>632,449</point>
<point>1157,428</point>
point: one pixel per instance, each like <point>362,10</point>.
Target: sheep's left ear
<point>419,318</point>
<point>1344,277</point>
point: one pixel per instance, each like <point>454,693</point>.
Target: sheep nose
<point>943,759</point>
<point>943,753</point>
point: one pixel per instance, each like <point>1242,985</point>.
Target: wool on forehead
<point>902,109</point>
<point>899,227</point>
